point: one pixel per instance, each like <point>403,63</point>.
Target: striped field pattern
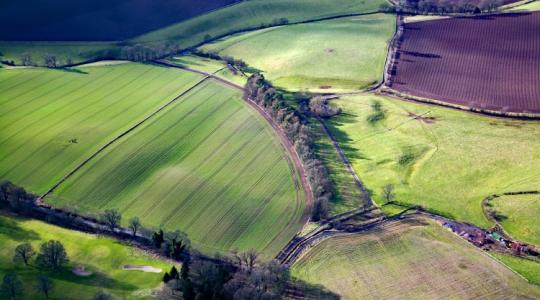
<point>50,120</point>
<point>207,164</point>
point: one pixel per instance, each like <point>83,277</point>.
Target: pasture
<point>66,52</point>
<point>51,120</point>
<point>207,165</point>
<point>520,216</point>
<point>455,61</point>
<point>102,256</point>
<point>411,259</point>
<point>98,20</point>
<point>529,269</point>
<point>251,14</point>
<point>337,55</point>
<point>443,159</point>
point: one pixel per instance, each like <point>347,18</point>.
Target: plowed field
<point>485,63</point>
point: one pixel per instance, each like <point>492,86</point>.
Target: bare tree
<point>52,256</point>
<point>26,59</point>
<point>49,60</point>
<point>249,259</point>
<point>388,193</point>
<point>134,225</point>
<point>11,286</point>
<point>111,218</point>
<point>23,252</point>
<point>44,285</point>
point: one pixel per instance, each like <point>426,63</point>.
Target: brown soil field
<point>489,63</point>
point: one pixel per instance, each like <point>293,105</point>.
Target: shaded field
<point>98,20</point>
<point>251,14</point>
<point>520,216</point>
<point>337,55</point>
<point>484,63</point>
<point>443,159</point>
<point>103,257</point>
<point>76,52</point>
<point>415,259</point>
<point>51,120</point>
<point>208,165</point>
<point>529,269</point>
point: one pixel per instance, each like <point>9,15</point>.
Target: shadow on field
<point>12,230</point>
<point>97,279</point>
<point>303,290</point>
<point>343,139</point>
<point>73,70</point>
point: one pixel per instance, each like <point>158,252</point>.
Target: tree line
<point>446,6</point>
<point>295,127</point>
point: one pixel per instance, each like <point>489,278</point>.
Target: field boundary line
<point>119,136</point>
<point>392,93</point>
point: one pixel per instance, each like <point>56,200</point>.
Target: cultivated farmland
<point>519,216</point>
<point>208,165</point>
<point>412,259</point>
<point>485,63</point>
<point>440,158</point>
<point>51,120</point>
<point>103,257</point>
<point>338,55</point>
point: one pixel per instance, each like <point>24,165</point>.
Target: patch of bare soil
<point>329,50</point>
<point>325,87</point>
<point>422,118</point>
<point>147,269</point>
<point>81,271</point>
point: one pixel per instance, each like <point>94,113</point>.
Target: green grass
<point>76,51</point>
<point>529,269</point>
<point>414,259</point>
<point>102,256</point>
<point>533,6</point>
<point>522,216</point>
<point>338,55</point>
<point>447,163</point>
<point>44,111</point>
<point>209,166</point>
<point>251,14</point>
<point>218,68</point>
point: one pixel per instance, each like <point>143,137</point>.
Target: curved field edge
<point>250,15</point>
<point>183,170</point>
<point>349,52</point>
<point>417,254</point>
<point>519,216</point>
<point>52,120</point>
<point>529,269</point>
<point>442,159</point>
<point>102,256</point>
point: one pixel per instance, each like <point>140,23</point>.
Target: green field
<point>529,269</point>
<point>103,257</point>
<point>338,55</point>
<point>208,166</point>
<point>521,216</point>
<point>446,160</point>
<point>216,67</point>
<point>51,120</point>
<point>414,259</point>
<point>251,14</point>
<point>77,52</point>
<point>533,6</point>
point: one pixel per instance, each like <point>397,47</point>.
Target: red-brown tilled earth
<point>482,62</point>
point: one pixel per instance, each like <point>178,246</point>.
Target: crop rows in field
<point>414,259</point>
<point>52,120</point>
<point>207,166</point>
<point>485,63</point>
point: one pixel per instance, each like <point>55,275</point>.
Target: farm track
<point>120,136</point>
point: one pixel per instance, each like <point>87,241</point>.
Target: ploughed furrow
<point>45,137</point>
<point>207,165</point>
